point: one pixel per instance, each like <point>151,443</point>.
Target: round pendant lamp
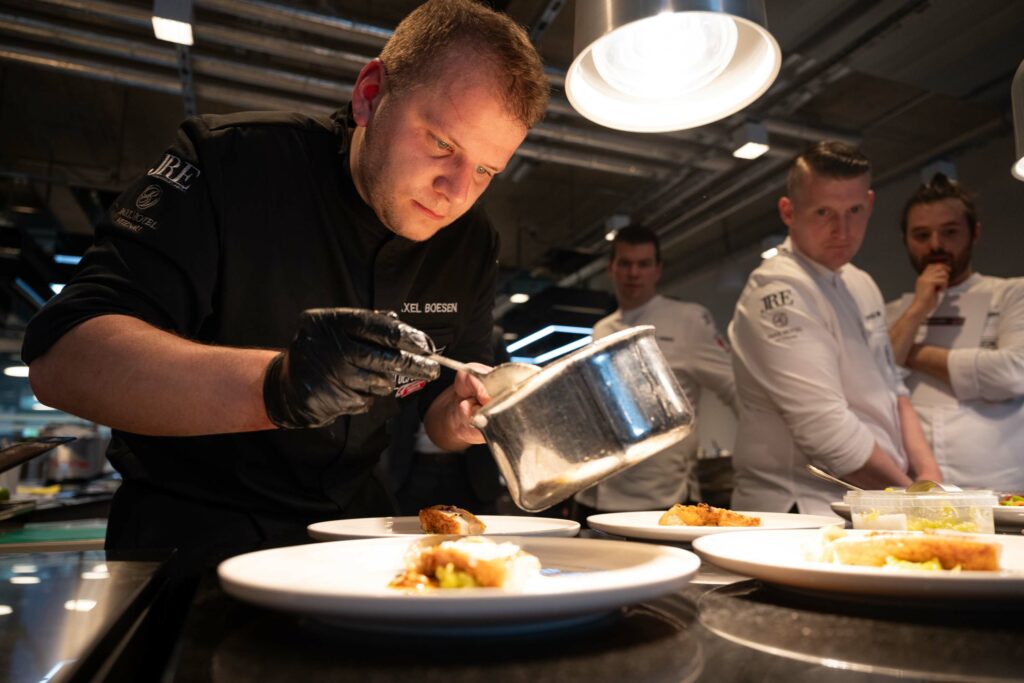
<point>661,65</point>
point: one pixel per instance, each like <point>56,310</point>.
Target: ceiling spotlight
<point>610,235</point>
<point>1017,97</point>
<point>172,21</point>
<point>16,371</point>
<point>659,65</point>
<point>519,298</point>
<point>751,141</point>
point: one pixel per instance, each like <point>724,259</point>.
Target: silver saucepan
<point>585,417</point>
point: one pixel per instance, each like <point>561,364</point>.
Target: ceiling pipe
<point>812,134</point>
<point>137,78</point>
<point>304,20</point>
<point>595,162</point>
<point>167,57</point>
<point>638,146</point>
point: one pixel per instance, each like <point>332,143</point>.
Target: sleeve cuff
<point>963,375</point>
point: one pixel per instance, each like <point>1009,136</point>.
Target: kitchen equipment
<point>498,379</point>
<point>969,511</point>
<point>585,417</point>
<point>822,474</point>
<point>22,451</point>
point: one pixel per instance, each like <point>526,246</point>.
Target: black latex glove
<point>338,361</point>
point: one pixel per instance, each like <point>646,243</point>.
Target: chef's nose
<point>935,241</point>
<point>455,181</point>
<point>842,224</point>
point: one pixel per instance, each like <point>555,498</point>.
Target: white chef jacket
<point>979,442</point>
<point>698,356</point>
<point>816,381</point>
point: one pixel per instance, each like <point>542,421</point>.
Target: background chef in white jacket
<point>815,375</point>
<point>697,354</point>
<point>975,420</point>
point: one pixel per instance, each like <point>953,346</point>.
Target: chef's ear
<point>368,91</point>
<point>786,210</point>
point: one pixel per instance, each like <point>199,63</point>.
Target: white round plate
<point>779,557</point>
<point>349,580</point>
<point>645,524</point>
<point>1002,515</point>
<point>387,527</point>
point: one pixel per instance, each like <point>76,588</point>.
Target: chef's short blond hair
<point>418,50</point>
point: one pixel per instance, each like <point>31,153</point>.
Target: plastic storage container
<point>969,511</point>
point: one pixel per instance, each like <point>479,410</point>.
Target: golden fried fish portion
<point>449,519</point>
<point>703,514</point>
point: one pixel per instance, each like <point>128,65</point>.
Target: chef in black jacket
<point>229,324</point>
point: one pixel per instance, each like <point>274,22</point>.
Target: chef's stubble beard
<point>957,266</point>
<point>371,169</point>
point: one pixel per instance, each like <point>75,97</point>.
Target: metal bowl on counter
<point>585,417</point>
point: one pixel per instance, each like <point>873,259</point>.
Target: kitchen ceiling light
<point>519,298</point>
<point>1017,97</point>
<point>659,65</point>
<point>172,21</point>
<point>751,141</point>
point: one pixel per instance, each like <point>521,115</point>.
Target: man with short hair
<point>697,354</point>
<point>975,425</point>
<point>232,430</point>
<point>814,370</point>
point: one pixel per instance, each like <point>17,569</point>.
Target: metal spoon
<point>822,474</point>
<point>919,486</point>
<point>498,379</point>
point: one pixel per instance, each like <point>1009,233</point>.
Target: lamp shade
<point>1017,97</point>
<point>660,65</point>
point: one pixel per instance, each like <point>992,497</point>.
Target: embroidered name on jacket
<point>430,307</point>
<point>174,171</point>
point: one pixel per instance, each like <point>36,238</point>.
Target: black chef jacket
<point>244,222</point>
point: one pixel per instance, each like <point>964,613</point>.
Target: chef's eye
<point>442,145</point>
<point>483,171</point>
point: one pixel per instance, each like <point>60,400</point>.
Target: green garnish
<point>450,577</point>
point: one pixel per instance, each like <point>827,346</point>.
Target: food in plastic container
<point>968,511</point>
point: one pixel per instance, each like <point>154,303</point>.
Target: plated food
<point>449,519</point>
<point>347,581</point>
<point>646,524</point>
<point>930,551</point>
<point>410,527</point>
<point>782,558</point>
<point>469,562</point>
<point>703,514</point>
<point>1011,500</point>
